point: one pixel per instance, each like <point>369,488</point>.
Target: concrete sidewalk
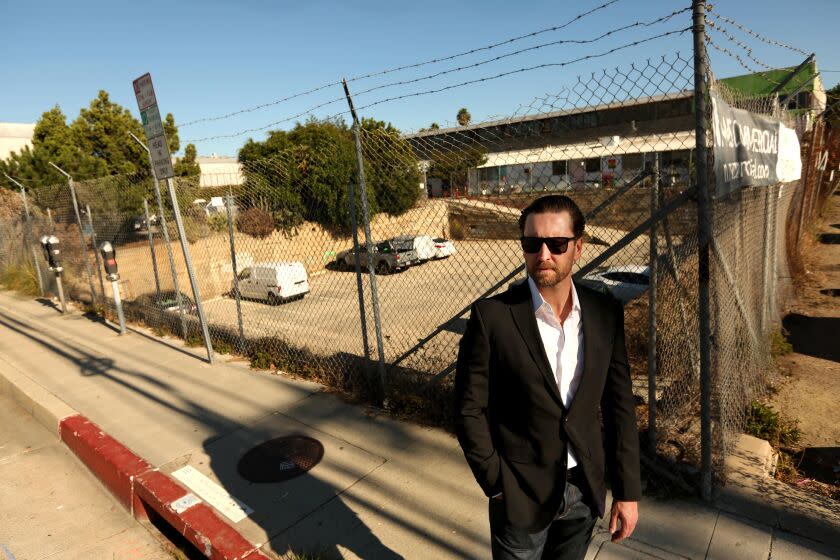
<point>384,489</point>
<point>52,507</point>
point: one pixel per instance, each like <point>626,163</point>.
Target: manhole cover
<point>280,459</point>
<point>835,292</point>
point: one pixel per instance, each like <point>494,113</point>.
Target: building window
<point>488,174</point>
<point>559,167</point>
<point>632,161</point>
<point>593,165</point>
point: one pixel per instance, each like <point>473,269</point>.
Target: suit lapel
<point>526,321</point>
<point>590,324</point>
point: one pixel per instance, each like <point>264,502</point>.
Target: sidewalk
<point>384,489</point>
<point>52,507</point>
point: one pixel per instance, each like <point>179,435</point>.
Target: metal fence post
<point>374,292</point>
<point>190,272</point>
<point>704,228</point>
<point>166,239</point>
<point>151,245</point>
<point>765,264</point>
<point>806,182</point>
<point>351,196</point>
<point>95,251</point>
<point>81,232</point>
<point>229,205</point>
<point>28,237</point>
<point>774,251</point>
<point>653,268</point>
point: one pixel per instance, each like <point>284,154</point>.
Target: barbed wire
<point>758,36</point>
<point>445,88</point>
<point>722,30</point>
<point>528,69</point>
<point>400,68</point>
<point>740,60</point>
<point>528,49</point>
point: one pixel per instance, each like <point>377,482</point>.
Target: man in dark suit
<point>535,366</point>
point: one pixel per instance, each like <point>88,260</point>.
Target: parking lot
<point>412,303</point>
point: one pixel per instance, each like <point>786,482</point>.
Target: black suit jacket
<point>510,418</point>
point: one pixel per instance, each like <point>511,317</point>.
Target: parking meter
<point>45,245</point>
<point>55,253</point>
<point>50,245</point>
<point>109,260</point>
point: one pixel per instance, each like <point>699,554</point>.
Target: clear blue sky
<point>212,57</point>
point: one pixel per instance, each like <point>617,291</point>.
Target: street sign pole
<point>162,168</point>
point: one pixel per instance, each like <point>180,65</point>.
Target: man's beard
<point>547,280</point>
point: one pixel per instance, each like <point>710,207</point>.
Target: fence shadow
<point>813,336</point>
<point>304,532</point>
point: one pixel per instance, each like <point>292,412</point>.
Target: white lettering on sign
<point>144,91</point>
<point>150,115</point>
<point>151,121</point>
<point>213,494</point>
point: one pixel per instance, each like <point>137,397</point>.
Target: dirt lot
<point>811,387</point>
<point>413,303</point>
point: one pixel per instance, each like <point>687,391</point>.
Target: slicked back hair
<point>554,203</point>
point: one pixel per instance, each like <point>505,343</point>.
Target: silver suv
<point>389,256</point>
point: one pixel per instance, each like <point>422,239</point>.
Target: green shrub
<point>765,423</point>
<point>779,345</point>
<point>194,229</point>
<point>218,223</point>
<point>256,223</point>
<point>20,277</point>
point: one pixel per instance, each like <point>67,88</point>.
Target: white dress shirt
<point>563,343</point>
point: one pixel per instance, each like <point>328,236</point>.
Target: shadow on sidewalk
<point>304,515</point>
<point>309,514</point>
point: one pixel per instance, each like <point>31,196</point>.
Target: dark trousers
<point>566,538</point>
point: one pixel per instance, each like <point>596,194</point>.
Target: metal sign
<point>151,122</point>
<point>150,116</point>
<point>144,91</point>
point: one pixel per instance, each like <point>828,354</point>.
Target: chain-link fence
<point>352,254</point>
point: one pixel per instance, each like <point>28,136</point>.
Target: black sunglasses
<point>556,245</point>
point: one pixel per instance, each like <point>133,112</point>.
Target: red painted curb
<point>138,486</point>
<point>112,463</point>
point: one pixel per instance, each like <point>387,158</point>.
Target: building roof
<point>215,159</point>
<point>565,112</point>
<point>763,83</point>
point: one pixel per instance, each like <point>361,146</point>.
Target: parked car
<point>423,244</point>
<point>388,257</point>
<point>443,248</point>
<point>141,225</point>
<point>625,283</point>
<point>274,282</point>
<point>166,300</point>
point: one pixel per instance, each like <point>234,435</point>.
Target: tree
<point>391,167</point>
<point>171,132</point>
<point>452,166</point>
<point>102,131</point>
<point>303,174</point>
<point>463,116</point>
<point>95,144</point>
<point>187,166</point>
<point>833,106</point>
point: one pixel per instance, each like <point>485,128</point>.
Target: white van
<point>274,282</point>
<point>423,244</point>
